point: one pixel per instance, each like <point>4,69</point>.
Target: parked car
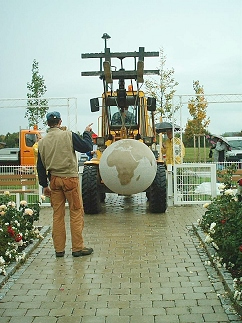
<point>235,154</point>
<point>82,159</point>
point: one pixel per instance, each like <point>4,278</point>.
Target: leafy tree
<point>11,139</point>
<point>36,105</point>
<point>163,90</point>
<point>197,109</point>
<point>2,137</point>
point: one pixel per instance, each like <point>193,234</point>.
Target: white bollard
<point>170,201</point>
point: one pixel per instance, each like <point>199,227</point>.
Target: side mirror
<point>151,104</point>
<point>94,104</point>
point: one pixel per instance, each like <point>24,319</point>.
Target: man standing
<point>167,148</point>
<point>58,175</point>
<point>220,149</point>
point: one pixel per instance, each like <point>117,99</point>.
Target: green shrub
<point>222,223</point>
<point>16,229</point>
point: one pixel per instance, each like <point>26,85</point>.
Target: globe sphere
<point>127,167</point>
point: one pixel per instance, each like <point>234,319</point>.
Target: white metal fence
<point>20,193</point>
<point>187,183</point>
<point>194,183</point>
<point>29,193</point>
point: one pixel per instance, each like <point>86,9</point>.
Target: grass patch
<point>195,155</point>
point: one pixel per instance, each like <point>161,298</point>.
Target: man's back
<point>57,153</point>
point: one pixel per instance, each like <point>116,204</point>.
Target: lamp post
<point>105,36</point>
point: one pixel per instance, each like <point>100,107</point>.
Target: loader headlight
<point>148,140</point>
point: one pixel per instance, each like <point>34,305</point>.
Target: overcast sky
<point>202,41</point>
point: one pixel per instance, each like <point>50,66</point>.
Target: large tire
<point>157,191</point>
<point>102,197</point>
<point>90,189</point>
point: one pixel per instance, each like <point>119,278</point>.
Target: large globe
<point>127,167</point>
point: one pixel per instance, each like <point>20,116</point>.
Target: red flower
<point>11,231</point>
<point>18,238</point>
<point>240,248</point>
<point>223,221</point>
<point>240,182</point>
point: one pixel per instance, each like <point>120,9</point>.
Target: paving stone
<point>6,319</point>
<point>117,319</point>
<point>70,319</point>
<point>142,319</point>
<point>25,319</point>
<point>92,319</point>
<point>166,319</point>
<point>192,318</point>
<point>46,319</point>
<point>215,317</point>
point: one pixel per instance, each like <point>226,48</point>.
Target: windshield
<point>129,114</point>
<point>236,144</point>
<point>30,139</point>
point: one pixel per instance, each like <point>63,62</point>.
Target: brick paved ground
<point>145,269</point>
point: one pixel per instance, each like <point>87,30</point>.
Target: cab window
<point>30,139</point>
<point>130,116</point>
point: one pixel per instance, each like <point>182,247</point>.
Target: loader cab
<point>126,116</point>
<point>134,119</point>
<point>27,140</point>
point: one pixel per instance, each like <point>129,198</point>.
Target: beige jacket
<point>57,153</point>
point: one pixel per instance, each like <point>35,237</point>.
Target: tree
<point>36,106</point>
<point>163,90</point>
<point>197,109</point>
<point>11,139</point>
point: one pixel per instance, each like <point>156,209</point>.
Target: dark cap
<point>53,115</point>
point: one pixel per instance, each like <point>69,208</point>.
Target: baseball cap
<point>53,115</point>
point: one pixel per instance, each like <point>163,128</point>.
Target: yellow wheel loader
<point>126,160</point>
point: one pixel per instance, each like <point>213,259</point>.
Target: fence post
<point>213,180</point>
<point>170,201</point>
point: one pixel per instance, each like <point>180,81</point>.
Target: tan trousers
<point>62,189</point>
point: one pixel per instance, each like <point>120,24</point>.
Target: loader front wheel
<point>102,197</point>
<point>90,189</point>
<point>157,192</point>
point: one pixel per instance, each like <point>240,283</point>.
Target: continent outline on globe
<point>127,167</point>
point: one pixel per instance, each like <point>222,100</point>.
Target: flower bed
<point>16,230</point>
<point>222,225</point>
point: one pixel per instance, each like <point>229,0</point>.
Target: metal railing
<point>195,183</point>
<point>29,193</point>
<point>187,183</point>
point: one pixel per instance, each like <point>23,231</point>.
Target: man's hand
<point>89,128</point>
<point>47,191</point>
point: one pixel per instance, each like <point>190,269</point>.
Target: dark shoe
<point>60,254</point>
<point>83,252</point>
